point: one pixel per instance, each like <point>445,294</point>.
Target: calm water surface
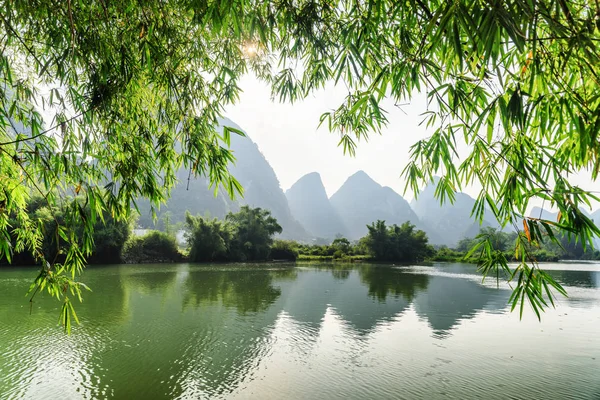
<point>300,332</point>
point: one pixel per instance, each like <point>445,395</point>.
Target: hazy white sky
<point>288,137</point>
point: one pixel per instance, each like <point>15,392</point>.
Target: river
<point>279,331</point>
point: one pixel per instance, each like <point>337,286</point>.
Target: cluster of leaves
<point>243,236</point>
<point>107,239</point>
<point>516,81</point>
<point>495,249</point>
<point>122,86</point>
<point>563,248</point>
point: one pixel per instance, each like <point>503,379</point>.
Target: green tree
<point>153,247</point>
<point>378,240</point>
<point>397,243</point>
<point>127,84</point>
<point>108,238</point>
<point>208,240</point>
<point>342,246</point>
<point>253,233</point>
<point>498,239</point>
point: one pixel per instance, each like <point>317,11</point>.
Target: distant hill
<point>361,201</point>
<point>542,213</point>
<point>596,217</point>
<point>310,206</point>
<point>538,212</point>
<point>261,189</point>
<point>447,223</point>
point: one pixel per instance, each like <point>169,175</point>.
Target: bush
<point>244,236</point>
<point>153,247</point>
<point>284,250</point>
<point>338,254</point>
<point>108,235</point>
<point>544,255</point>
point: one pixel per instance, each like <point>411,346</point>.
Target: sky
<point>289,137</point>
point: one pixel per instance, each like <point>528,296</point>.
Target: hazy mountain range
<point>306,212</point>
<point>450,222</point>
<point>538,212</point>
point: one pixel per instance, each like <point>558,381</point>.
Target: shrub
<point>153,247</point>
<point>284,250</point>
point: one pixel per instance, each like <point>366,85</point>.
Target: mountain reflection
<point>369,295</point>
<point>364,296</point>
<point>307,299</point>
<point>448,300</point>
<point>223,320</point>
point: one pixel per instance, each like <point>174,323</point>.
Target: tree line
<point>249,235</point>
<point>246,235</point>
<point>565,247</point>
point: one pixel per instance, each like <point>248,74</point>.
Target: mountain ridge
<point>361,201</point>
<point>310,205</point>
<point>448,223</point>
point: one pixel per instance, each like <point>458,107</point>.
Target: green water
<point>300,332</point>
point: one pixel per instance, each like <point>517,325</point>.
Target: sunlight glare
<point>250,49</point>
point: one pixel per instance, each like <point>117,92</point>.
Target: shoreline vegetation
<point>249,236</point>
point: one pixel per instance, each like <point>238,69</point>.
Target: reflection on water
<point>250,291</point>
<point>309,331</point>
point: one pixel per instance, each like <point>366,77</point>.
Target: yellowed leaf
<point>526,229</point>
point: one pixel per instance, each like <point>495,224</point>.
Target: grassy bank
<point>345,258</point>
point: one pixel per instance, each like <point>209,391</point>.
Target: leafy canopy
<point>126,83</point>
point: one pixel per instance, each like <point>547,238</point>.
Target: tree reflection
<point>246,290</point>
<point>339,270</point>
<point>148,278</point>
<point>383,281</point>
<point>587,279</point>
<point>340,274</point>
